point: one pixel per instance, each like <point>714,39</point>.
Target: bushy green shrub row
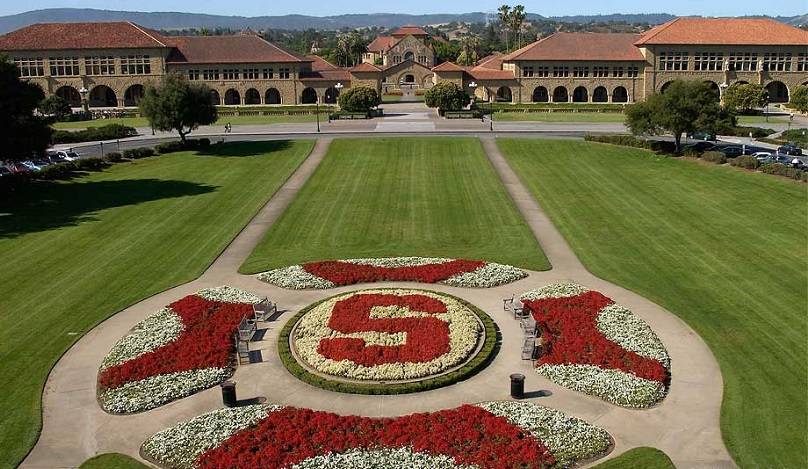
<point>745,161</point>
<point>596,107</point>
<point>741,131</point>
<point>173,147</point>
<point>658,146</point>
<point>780,169</point>
<point>59,171</point>
<point>107,132</point>
<point>716,157</point>
<point>137,153</point>
<point>476,364</point>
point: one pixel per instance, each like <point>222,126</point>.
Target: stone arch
<point>778,92</point>
<point>504,94</point>
<point>133,95</point>
<point>600,95</point>
<point>252,96</point>
<point>309,96</point>
<point>714,88</point>
<point>580,95</point>
<point>620,95</point>
<point>69,94</point>
<point>560,95</point>
<point>272,96</point>
<point>406,79</point>
<point>740,82</point>
<point>215,99</point>
<point>103,96</point>
<point>409,55</point>
<point>664,87</point>
<point>331,95</point>
<point>232,97</point>
<point>540,95</point>
<point>427,81</point>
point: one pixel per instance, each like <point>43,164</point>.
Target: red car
<point>18,168</point>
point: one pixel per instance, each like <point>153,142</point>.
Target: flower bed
<point>453,272</point>
<point>181,349</point>
<point>487,435</point>
<point>385,335</point>
<point>595,346</point>
<point>387,341</point>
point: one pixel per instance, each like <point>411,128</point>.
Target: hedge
<point>545,107</point>
<point>745,161</point>
<point>475,365</point>
<point>714,157</point>
<point>659,146</point>
<point>107,132</point>
<point>137,153</point>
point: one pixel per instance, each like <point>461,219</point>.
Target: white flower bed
<point>178,447</point>
<point>227,294</point>
<point>556,290</point>
<point>491,274</point>
<point>381,458</point>
<point>569,439</point>
<point>156,330</point>
<point>154,391</point>
<point>621,326</point>
<point>464,332</point>
<point>615,386</point>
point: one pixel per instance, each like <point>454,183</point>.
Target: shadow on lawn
<point>241,149</point>
<point>46,205</point>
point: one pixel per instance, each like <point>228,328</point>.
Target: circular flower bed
<point>181,349</point>
<point>488,435</point>
<point>453,272</point>
<point>387,341</point>
<point>595,346</point>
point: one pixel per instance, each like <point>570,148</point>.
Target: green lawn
<point>76,252</point>
<point>724,249</point>
<point>639,458</point>
<point>234,120</point>
<point>560,116</point>
<point>400,197</point>
<point>112,461</point>
<point>757,120</point>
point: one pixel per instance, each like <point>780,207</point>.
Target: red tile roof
<point>381,43</point>
<point>493,61</point>
<point>725,31</point>
<point>53,36</point>
<point>448,67</point>
<point>320,64</point>
<point>365,67</point>
<point>239,48</point>
<point>409,29</point>
<point>581,46</point>
<point>490,74</point>
<point>322,69</point>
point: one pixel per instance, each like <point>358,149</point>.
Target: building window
<point>268,74</point>
<point>600,72</point>
<point>284,73</point>
<point>64,66</point>
<point>396,59</point>
<point>561,71</point>
<point>617,72</point>
<point>250,73</point>
<point>802,62</point>
<point>230,74</point>
<point>673,60</point>
<point>743,61</point>
<point>633,71</point>
<point>422,59</point>
<point>580,71</point>
<point>527,72</point>
<point>709,61</point>
<point>212,74</point>
<point>136,65</point>
<point>99,65</point>
<point>193,75</point>
<point>543,72</point>
<point>31,67</point>
<point>777,61</point>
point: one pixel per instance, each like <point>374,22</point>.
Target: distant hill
<point>176,20</point>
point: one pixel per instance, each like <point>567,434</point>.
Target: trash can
<point>517,385</point>
<point>229,393</point>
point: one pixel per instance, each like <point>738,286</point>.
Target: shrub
<point>623,140</point>
<point>56,171</point>
<point>359,99</point>
<point>691,152</point>
<point>114,157</point>
<point>56,106</point>
<point>745,161</point>
<point>107,132</point>
<point>799,98</point>
<point>446,96</point>
<point>714,157</point>
<point>169,147</point>
<point>90,164</point>
<point>136,153</point>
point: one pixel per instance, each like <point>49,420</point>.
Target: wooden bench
<point>246,329</point>
<point>264,310</point>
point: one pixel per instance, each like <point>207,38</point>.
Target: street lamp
<point>339,86</point>
<point>84,103</point>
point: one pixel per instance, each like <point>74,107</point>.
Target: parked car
<point>18,168</point>
<point>733,151</point>
<point>790,149</point>
<point>30,165</point>
<point>762,155</point>
<point>63,155</point>
<point>4,171</point>
<point>706,136</point>
<point>700,146</point>
<point>783,159</point>
<point>42,162</point>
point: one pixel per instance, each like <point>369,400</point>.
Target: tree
<point>359,99</point>
<point>445,51</point>
<point>446,96</point>
<point>178,105</point>
<point>684,107</point>
<point>799,98</point>
<point>55,106</point>
<point>22,134</point>
<point>744,97</point>
<point>517,18</point>
<point>469,45</point>
<point>505,19</point>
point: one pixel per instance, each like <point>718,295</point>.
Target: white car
<point>63,155</point>
<point>762,155</point>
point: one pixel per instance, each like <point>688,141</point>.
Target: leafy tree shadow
<point>46,205</point>
<point>242,149</point>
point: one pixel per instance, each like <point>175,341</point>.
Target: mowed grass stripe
<point>401,197</point>
<point>76,252</point>
<point>725,250</point>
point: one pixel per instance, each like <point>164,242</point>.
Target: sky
<point>333,7</point>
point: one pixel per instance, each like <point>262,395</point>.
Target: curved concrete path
<point>685,425</point>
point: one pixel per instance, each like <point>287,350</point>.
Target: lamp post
<point>317,112</point>
<point>84,103</point>
<point>339,86</point>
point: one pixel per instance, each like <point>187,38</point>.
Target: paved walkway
<point>685,425</point>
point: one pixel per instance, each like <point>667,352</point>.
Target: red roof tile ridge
<point>515,54</point>
<point>655,31</point>
<point>139,28</point>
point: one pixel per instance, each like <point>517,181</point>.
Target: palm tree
<point>505,19</point>
<point>469,45</point>
<point>517,18</point>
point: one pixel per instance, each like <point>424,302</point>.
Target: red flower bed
<point>569,328</point>
<point>469,434</point>
<point>346,273</point>
<point>205,342</point>
<point>427,338</point>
